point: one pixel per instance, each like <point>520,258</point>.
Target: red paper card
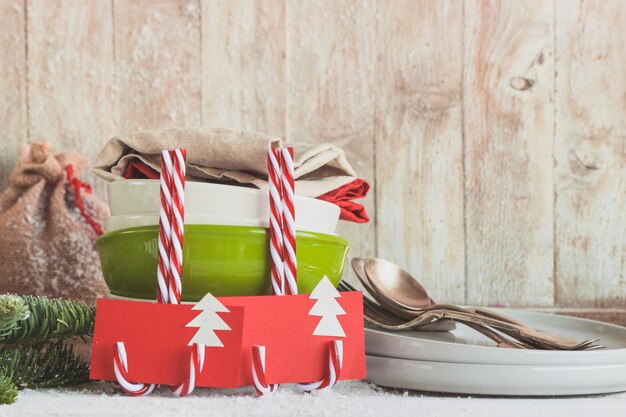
<point>157,340</point>
<point>296,330</point>
<point>293,353</point>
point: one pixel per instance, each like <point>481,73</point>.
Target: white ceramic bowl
<point>136,203</point>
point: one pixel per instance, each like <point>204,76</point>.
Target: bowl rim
<point>324,237</point>
<point>125,221</point>
<point>237,188</point>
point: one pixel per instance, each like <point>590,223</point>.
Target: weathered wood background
<point>494,132</point>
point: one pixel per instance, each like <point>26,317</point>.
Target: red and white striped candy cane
<point>274,175</point>
<point>335,362</point>
<point>196,363</point>
<point>120,368</point>
<point>165,215</point>
<point>258,372</point>
<point>276,225</point>
<point>177,220</point>
<point>289,222</point>
<point>169,272</point>
<point>178,217</point>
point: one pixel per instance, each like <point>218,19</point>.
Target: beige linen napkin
<point>223,155</point>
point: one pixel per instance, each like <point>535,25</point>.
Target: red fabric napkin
<point>343,196</point>
<point>138,170</point>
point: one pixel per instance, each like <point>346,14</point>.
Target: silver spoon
<point>401,291</point>
<point>397,284</point>
<point>358,265</point>
<point>427,319</point>
<point>378,313</point>
<point>381,317</point>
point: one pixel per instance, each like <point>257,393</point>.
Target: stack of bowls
<point>226,242</point>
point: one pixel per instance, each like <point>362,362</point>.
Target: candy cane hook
<point>196,364</point>
<point>258,372</point>
<point>120,368</point>
<point>335,362</point>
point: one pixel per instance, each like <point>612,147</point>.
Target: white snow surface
<point>349,398</point>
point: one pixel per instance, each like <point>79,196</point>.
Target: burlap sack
<point>224,155</point>
<point>46,244</point>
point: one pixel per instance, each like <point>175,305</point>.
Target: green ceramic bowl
<point>225,260</point>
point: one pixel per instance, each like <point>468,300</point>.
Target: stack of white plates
<point>465,362</point>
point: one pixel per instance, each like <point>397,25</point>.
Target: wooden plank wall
<point>509,128</point>
<point>493,132</point>
<point>419,143</point>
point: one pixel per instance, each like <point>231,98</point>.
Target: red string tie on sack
<point>77,185</point>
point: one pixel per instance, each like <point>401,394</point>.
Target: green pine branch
<point>13,309</point>
<point>43,366</point>
<point>33,353</point>
<point>8,390</point>
<point>46,319</point>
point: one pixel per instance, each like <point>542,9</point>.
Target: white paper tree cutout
<point>328,308</point>
<point>208,321</point>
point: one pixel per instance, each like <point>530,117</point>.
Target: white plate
<point>136,202</point>
<point>464,345</point>
<point>511,380</point>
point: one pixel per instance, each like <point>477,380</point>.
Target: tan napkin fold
<point>223,155</point>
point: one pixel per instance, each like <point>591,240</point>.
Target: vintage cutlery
<point>400,297</point>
